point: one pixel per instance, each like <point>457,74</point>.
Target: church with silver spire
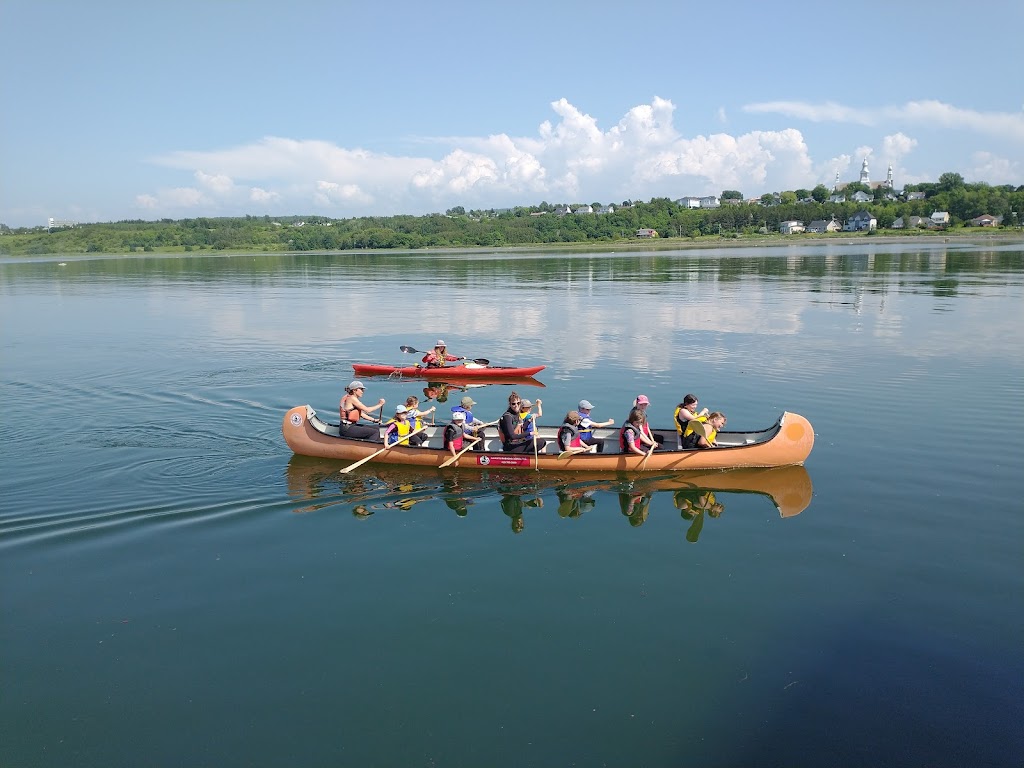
<point>865,179</point>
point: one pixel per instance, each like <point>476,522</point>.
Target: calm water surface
<point>177,589</point>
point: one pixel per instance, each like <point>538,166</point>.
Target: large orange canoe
<point>788,441</point>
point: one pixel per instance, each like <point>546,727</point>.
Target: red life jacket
<point>453,435</point>
<point>623,445</point>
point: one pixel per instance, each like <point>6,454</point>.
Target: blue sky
<point>119,110</point>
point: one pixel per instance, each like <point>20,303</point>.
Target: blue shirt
<point>469,414</point>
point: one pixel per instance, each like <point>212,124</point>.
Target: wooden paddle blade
<point>362,461</point>
<point>455,458</point>
<point>698,428</point>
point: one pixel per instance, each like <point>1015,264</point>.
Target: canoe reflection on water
<point>317,484</point>
<point>439,390</point>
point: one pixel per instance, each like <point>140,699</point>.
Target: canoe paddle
<point>643,464</point>
<point>477,360</point>
<point>455,458</point>
<point>360,463</point>
<point>572,452</point>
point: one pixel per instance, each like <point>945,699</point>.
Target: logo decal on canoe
<point>504,461</point>
<point>296,419</point>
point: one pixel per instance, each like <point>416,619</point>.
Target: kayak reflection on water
<point>438,391</point>
<point>315,484</point>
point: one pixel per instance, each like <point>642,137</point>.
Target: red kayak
<point>469,371</point>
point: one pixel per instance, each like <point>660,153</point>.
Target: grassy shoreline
<point>959,236</point>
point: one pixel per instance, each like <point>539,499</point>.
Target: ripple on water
<point>90,522</point>
<point>117,460</point>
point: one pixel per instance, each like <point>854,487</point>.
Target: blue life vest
<point>586,432</point>
<point>469,414</point>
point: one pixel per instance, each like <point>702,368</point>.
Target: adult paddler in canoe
<point>787,441</point>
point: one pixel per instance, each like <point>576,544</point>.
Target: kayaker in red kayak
<point>439,356</point>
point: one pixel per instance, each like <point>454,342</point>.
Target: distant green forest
<point>522,226</point>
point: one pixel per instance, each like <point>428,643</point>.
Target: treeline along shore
<point>662,218</point>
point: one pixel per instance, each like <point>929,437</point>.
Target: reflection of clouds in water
<point>583,329</point>
<point>747,317</point>
<point>588,313</point>
<point>888,327</point>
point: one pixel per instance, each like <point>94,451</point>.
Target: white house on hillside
<point>860,221</point>
<point>791,227</point>
<point>820,226</point>
<point>940,219</point>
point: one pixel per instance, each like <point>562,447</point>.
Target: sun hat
<point>642,400</point>
<point>586,405</point>
<point>356,385</point>
<point>440,343</point>
<point>458,416</point>
<point>401,409</point>
<point>468,402</point>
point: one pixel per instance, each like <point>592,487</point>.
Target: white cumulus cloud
<point>570,158</point>
<point>330,193</point>
<point>994,169</point>
<point>218,183</point>
<point>259,195</point>
<point>1008,125</point>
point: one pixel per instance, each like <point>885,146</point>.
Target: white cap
<point>356,385</point>
<point>440,343</point>
<point>400,409</point>
<point>586,405</point>
<point>458,416</point>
